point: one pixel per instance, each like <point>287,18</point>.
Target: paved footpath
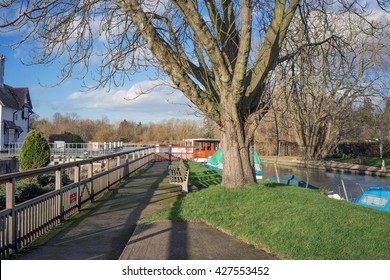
<point>167,240</point>
<point>103,233</point>
<point>106,231</point>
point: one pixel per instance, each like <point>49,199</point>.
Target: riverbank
<point>290,222</point>
<point>333,166</point>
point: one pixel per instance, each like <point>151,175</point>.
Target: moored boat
<point>291,180</point>
<point>377,197</point>
<point>216,162</point>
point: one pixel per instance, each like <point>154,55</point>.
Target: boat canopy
<point>216,162</point>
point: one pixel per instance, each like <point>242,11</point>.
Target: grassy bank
<point>290,222</point>
<point>375,162</point>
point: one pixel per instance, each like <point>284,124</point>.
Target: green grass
<point>376,162</point>
<point>202,177</point>
<point>290,222</point>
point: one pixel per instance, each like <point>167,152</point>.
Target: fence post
<point>118,160</point>
<point>120,170</point>
<point>90,175</point>
<point>10,204</point>
<point>108,173</point>
<point>58,186</point>
<point>126,171</point>
<point>76,179</point>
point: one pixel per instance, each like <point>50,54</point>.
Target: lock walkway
<point>108,229</point>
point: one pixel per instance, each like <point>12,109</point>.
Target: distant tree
<point>74,138</point>
<point>127,131</point>
<point>105,131</point>
<point>372,122</point>
<point>67,137</point>
<point>44,126</point>
<point>365,119</point>
<point>210,129</point>
<point>322,82</point>
<point>35,151</point>
<point>385,127</point>
<point>87,129</point>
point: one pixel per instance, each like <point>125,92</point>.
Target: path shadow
<point>178,243</point>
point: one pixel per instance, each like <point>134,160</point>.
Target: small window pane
<point>374,200</point>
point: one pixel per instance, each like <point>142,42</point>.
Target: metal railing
<point>21,223</point>
<point>14,149</point>
<point>176,152</point>
<point>84,150</point>
<point>79,150</point>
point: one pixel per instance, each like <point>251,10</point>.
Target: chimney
<point>2,61</point>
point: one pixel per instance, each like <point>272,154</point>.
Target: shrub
<point>49,180</point>
<point>32,187</point>
<point>27,189</point>
<point>24,190</point>
<point>35,151</point>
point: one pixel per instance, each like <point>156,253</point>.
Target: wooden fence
<point>21,223</point>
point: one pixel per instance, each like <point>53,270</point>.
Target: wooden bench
<point>178,175</point>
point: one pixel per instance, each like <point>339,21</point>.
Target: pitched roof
<point>23,96</point>
<point>15,98</point>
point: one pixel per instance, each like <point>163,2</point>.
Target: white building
<point>15,112</point>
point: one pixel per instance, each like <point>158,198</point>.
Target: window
<point>374,200</point>
<point>6,136</point>
<point>188,143</point>
<point>24,113</point>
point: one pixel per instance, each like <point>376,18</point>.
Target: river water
<point>355,184</point>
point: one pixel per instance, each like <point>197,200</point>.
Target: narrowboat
<point>202,148</point>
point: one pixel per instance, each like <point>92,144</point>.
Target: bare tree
<point>218,53</point>
<point>322,82</point>
<point>371,121</point>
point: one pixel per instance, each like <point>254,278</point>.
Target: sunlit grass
<point>291,222</point>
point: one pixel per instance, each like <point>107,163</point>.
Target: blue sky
<point>71,97</point>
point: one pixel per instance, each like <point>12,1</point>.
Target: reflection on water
<point>355,184</point>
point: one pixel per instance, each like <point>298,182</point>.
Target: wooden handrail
<point>21,223</point>
<point>48,169</point>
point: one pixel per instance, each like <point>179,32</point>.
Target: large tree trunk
<point>220,83</point>
<point>238,160</point>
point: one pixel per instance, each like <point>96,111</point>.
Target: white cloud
<point>144,100</point>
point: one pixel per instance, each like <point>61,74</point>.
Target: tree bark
<point>238,149</point>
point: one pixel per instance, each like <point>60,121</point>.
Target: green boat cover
<point>216,162</point>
